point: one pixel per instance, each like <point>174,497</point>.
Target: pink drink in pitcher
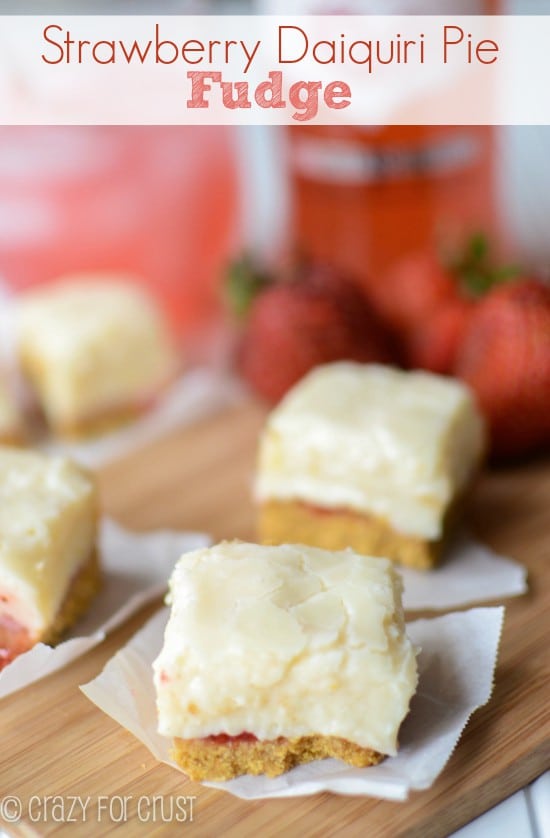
<point>160,202</point>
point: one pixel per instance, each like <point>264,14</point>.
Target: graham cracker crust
<point>106,422</point>
<point>295,522</point>
<point>83,588</point>
<point>15,435</point>
<point>12,439</point>
<point>106,419</point>
<point>215,760</point>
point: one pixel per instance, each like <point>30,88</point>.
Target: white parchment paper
<point>470,572</point>
<point>136,567</point>
<point>456,665</point>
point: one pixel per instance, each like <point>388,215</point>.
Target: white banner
<point>364,70</point>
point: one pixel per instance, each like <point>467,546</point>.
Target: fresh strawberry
<point>505,358</point>
<point>434,346</point>
<point>427,301</point>
<point>294,325</point>
<point>413,289</point>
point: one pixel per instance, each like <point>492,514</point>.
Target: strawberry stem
<point>244,282</point>
<point>475,271</point>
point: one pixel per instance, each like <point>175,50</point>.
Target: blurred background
<point>173,204</point>
<point>177,205</point>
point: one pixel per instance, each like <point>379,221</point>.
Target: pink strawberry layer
<point>15,638</point>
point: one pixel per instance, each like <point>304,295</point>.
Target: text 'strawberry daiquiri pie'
<point>95,349</point>
<point>276,656</point>
<point>369,457</point>
<point>49,569</point>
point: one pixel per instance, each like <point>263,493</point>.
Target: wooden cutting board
<point>55,742</point>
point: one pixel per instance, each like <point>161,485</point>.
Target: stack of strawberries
<point>455,317</point>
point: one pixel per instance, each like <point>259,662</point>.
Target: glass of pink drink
<point>160,202</point>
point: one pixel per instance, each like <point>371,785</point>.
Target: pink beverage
<point>160,202</point>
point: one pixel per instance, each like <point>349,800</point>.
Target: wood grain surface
<point>55,742</point>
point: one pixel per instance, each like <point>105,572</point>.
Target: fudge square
<point>369,457</point>
<point>275,656</point>
<point>49,569</point>
<point>95,349</point>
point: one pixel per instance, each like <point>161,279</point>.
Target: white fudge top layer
<point>47,531</point>
<point>399,445</point>
<point>285,641</point>
<point>92,343</point>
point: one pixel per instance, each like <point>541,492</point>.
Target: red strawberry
<point>427,301</point>
<point>435,344</point>
<point>505,358</point>
<point>413,289</point>
<point>296,325</point>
